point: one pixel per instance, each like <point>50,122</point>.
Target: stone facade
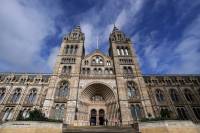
<point>95,89</point>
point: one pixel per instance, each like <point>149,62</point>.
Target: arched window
<point>95,71</point>
<point>8,114</point>
<point>174,95</point>
<point>118,50</point>
<point>196,111</point>
<point>122,51</point>
<point>126,51</point>
<point>16,95</point>
<point>130,71</point>
<point>26,113</point>
<point>59,111</point>
<point>159,95</point>
<point>182,113</point>
<point>32,95</point>
<point>131,89</point>
<point>66,69</point>
<point>63,89</point>
<point>99,71</point>
<point>97,60</point>
<point>188,95</point>
<point>71,49</point>
<point>106,71</point>
<point>136,112</point>
<point>125,70</point>
<point>2,93</point>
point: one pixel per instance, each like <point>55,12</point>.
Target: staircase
<point>98,129</point>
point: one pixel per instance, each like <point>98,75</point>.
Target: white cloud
<point>24,26</point>
<point>52,57</point>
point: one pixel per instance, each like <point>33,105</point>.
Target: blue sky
<point>165,33</point>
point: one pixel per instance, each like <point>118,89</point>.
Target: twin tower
<point>97,88</point>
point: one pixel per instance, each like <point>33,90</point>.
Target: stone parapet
<point>30,127</point>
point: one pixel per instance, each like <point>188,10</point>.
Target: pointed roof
<point>115,28</point>
<point>77,28</point>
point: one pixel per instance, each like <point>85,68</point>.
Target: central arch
<point>101,98</point>
<point>98,89</point>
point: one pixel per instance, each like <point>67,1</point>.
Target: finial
<point>115,28</point>
<point>97,42</point>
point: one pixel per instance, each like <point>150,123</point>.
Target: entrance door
<point>101,117</point>
<point>93,117</point>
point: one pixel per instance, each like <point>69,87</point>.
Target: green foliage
<point>35,115</point>
<point>20,117</point>
<point>165,114</point>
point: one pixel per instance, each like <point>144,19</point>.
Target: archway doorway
<point>93,117</point>
<point>101,117</point>
<point>101,103</point>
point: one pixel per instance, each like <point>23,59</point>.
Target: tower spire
<point>97,42</point>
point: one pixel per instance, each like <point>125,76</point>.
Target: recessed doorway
<point>93,117</point>
<point>101,117</point>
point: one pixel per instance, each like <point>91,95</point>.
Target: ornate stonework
<point>96,89</point>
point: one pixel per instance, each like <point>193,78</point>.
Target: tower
<point>132,92</point>
<point>61,102</point>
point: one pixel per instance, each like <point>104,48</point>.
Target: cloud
<point>52,57</point>
<point>100,22</point>
<point>24,26</point>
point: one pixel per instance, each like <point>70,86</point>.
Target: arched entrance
<point>101,103</point>
<point>93,117</point>
<point>101,117</point>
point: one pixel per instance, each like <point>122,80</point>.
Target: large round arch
<point>106,102</point>
<point>99,89</point>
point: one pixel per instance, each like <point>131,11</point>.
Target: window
<point>118,51</point>
<point>174,95</point>
<point>125,70</point>
<point>182,113</point>
<point>95,71</point>
<point>106,71</point>
<point>126,51</point>
<point>136,112</point>
<point>26,113</point>
<point>16,95</point>
<point>159,95</point>
<point>108,63</point>
<point>32,95</point>
<point>2,93</point>
<point>63,90</point>
<point>59,111</point>
<point>122,51</point>
<point>97,60</point>
<point>8,114</point>
<point>66,69</point>
<point>188,95</point>
<point>196,111</point>
<point>100,71</point>
<point>111,71</point>
<point>130,71</point>
<point>131,89</point>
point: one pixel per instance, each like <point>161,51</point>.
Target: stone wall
<point>169,127</point>
<point>30,127</point>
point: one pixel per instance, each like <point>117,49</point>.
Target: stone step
<point>98,130</point>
